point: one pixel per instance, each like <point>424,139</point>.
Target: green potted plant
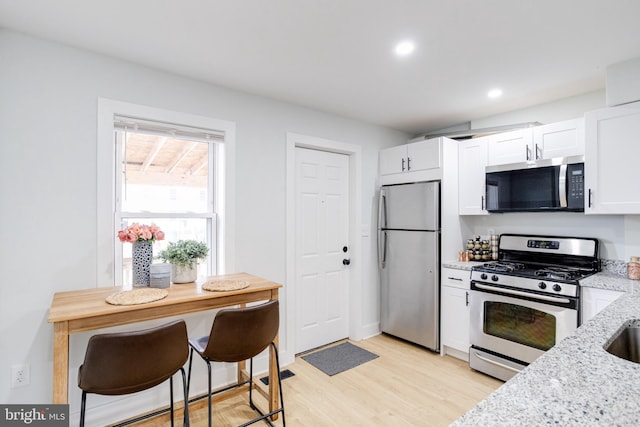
<point>183,256</point>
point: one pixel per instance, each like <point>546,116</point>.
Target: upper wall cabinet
<point>393,160</point>
<point>411,162</point>
<point>612,151</point>
<point>560,139</point>
<point>410,157</point>
<point>473,155</point>
<point>510,147</point>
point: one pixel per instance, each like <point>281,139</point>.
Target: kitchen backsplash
<point>614,266</point>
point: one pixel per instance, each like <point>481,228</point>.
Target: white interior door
<point>322,232</point>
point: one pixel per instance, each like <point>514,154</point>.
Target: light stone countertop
<point>576,383</point>
<point>612,282</point>
<point>459,265</point>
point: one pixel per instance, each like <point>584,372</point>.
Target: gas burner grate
<point>558,273</point>
<point>504,266</point>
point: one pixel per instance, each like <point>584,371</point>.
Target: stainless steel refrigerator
<point>409,259</point>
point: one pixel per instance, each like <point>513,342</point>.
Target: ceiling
<point>337,55</point>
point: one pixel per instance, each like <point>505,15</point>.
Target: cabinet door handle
<point>538,152</point>
<point>527,153</point>
<point>589,204</point>
<point>454,278</point>
<point>467,298</point>
<point>403,164</point>
<point>482,203</point>
<point>408,163</point>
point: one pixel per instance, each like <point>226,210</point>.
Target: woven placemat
<point>137,296</point>
<point>225,285</point>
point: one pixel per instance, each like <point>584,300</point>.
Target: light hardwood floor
<point>405,386</point>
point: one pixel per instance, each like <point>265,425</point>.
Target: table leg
<point>61,362</point>
<point>274,401</point>
<point>242,365</point>
<point>274,396</point>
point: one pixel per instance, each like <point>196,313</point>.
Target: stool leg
<point>83,407</point>
<point>190,362</point>
<point>284,422</point>
<point>209,395</point>
<point>185,393</point>
<point>171,398</point>
<point>251,384</point>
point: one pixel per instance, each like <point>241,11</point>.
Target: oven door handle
<point>522,294</point>
<point>493,362</point>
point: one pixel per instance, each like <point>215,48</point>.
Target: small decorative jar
<point>633,268</point>
<point>470,244</point>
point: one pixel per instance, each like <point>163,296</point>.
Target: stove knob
<point>494,278</point>
<point>542,285</point>
<point>557,288</point>
<point>483,276</point>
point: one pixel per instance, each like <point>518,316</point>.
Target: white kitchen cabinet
<point>561,139</point>
<point>511,147</point>
<point>412,157</point>
<point>454,312</point>
<point>393,160</point>
<point>612,158</point>
<point>472,159</point>
<point>594,300</point>
<point>424,155</point>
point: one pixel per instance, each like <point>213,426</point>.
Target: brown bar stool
<point>238,334</point>
<point>128,362</point>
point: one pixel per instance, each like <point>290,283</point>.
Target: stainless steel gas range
<point>528,300</point>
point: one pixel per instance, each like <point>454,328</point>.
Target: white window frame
<point>214,150</point>
<point>107,248</point>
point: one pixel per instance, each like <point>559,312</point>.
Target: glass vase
<point>142,256</point>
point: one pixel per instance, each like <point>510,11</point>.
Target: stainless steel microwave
<point>544,185</point>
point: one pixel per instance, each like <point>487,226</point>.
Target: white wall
<point>616,234</point>
<point>563,109</point>
<point>48,107</point>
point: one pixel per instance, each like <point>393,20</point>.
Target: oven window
<point>519,324</point>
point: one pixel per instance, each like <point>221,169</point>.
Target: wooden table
<point>86,310</point>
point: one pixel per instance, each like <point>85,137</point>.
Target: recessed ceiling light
<point>404,48</point>
<point>494,93</point>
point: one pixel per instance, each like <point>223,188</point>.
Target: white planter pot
<point>181,274</point>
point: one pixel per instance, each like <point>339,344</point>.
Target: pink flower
<point>136,232</point>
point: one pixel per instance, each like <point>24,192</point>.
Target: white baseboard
<point>455,353</point>
<point>368,331</point>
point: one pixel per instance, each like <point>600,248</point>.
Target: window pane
<point>163,174</point>
<point>175,229</point>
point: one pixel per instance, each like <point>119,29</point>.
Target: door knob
<point>346,261</point>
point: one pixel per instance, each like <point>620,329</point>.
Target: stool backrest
<point>127,362</point>
<point>241,333</point>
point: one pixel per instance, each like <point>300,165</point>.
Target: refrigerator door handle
<point>382,249</point>
<point>382,223</point>
<point>382,210</point>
